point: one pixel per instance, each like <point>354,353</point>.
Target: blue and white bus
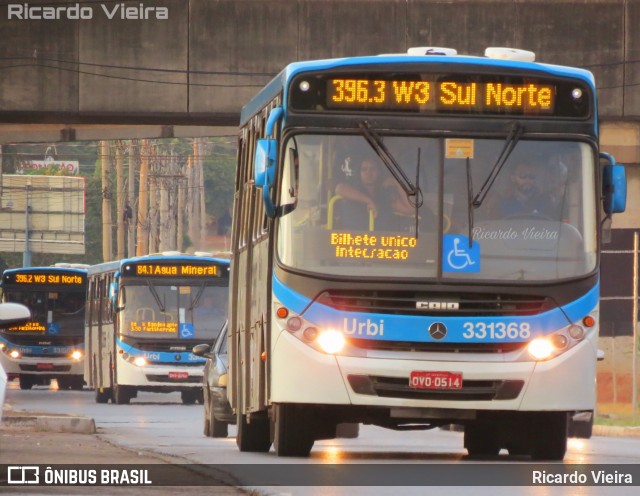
<point>450,293</point>
<point>51,344</point>
<point>144,315</point>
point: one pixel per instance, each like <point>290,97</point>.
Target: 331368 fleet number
<point>497,330</point>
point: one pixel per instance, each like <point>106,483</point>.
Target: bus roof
<point>279,83</point>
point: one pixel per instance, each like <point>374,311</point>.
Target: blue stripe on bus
<point>36,350</point>
<point>161,356</point>
<point>413,328</point>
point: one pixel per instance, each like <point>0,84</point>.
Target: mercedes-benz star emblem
<point>438,330</point>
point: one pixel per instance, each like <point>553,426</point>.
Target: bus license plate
<point>420,379</point>
<point>44,366</point>
<point>178,375</point>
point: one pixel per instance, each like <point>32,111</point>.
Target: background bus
<point>51,344</point>
<point>144,316</point>
<point>385,272</point>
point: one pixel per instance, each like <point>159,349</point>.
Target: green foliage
<point>219,175</point>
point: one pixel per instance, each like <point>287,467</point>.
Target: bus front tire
<point>189,397</point>
<point>103,395</point>
<point>293,434</point>
<point>253,436</point>
<point>121,395</point>
<point>26,382</point>
<point>481,440</point>
<point>550,433</point>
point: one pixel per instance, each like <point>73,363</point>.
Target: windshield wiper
<point>390,162</point>
<point>155,296</point>
<point>196,300</point>
<point>515,133</point>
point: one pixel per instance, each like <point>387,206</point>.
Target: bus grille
<point>398,387</point>
<point>54,368</point>
<point>166,378</point>
<point>409,346</point>
<point>433,304</point>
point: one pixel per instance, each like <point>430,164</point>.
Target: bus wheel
<point>121,395</point>
<point>220,428</point>
<point>549,436</point>
<point>64,383</point>
<point>481,440</point>
<point>26,382</point>
<point>77,383</point>
<point>253,436</point>
<point>293,435</point>
<point>189,397</point>
<point>103,395</point>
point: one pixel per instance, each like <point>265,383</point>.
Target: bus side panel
<point>260,320</point>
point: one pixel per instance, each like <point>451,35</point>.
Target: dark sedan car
<point>217,411</point>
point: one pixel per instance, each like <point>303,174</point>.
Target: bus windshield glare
<point>349,211</point>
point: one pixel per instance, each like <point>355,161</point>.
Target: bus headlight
<point>14,354</point>
<point>76,355</point>
<point>547,347</point>
<point>541,348</point>
<point>331,341</point>
<point>140,361</point>
<point>326,340</point>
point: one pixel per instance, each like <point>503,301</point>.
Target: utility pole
<point>132,212</point>
<point>143,202</point>
<point>180,222</point>
<point>26,256</point>
<point>107,242</point>
<point>193,207</point>
<point>203,208</point>
<point>634,362</point>
<point>153,203</point>
<point>120,201</point>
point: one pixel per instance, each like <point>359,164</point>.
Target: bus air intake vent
<point>436,304</point>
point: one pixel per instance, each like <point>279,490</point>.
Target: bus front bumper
<point>300,374</point>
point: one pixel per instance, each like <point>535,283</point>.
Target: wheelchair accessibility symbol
<point>186,331</point>
<point>457,256</point>
<point>53,328</point>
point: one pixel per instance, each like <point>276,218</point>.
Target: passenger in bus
<point>368,193</point>
<point>523,196</point>
<point>553,199</point>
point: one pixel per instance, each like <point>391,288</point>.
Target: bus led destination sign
<point>372,247</point>
<point>442,95</point>
<point>46,278</point>
<point>173,270</point>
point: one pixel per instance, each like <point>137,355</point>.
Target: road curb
<point>611,430</point>
<point>52,423</point>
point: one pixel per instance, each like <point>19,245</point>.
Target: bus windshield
<point>173,312</point>
<point>409,207</point>
<point>52,312</point>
